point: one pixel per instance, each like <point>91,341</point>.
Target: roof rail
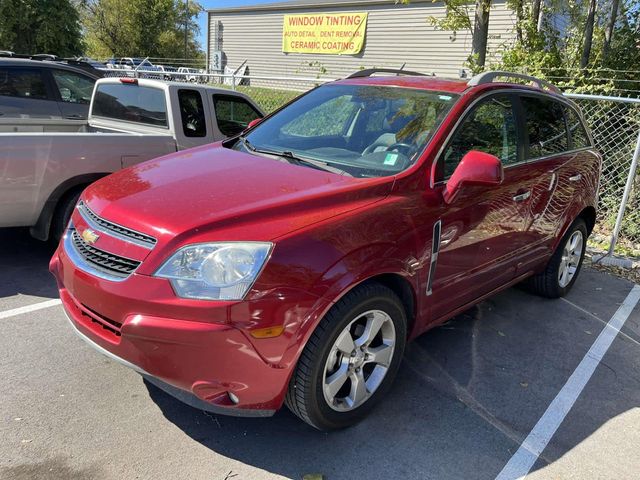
<point>367,72</point>
<point>489,77</point>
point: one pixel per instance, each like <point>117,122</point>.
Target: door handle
<point>576,178</point>
<point>75,116</point>
<point>521,197</point>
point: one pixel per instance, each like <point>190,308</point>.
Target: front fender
<point>343,276</point>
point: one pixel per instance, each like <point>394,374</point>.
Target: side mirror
<point>475,168</point>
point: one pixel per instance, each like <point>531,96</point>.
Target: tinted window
<point>233,114</point>
<point>73,88</point>
<point>23,83</point>
<point>490,128</point>
<point>578,133</point>
<point>192,113</point>
<point>545,127</point>
<point>131,103</point>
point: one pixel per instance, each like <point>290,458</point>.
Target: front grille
<point>106,323</point>
<point>119,230</point>
<point>106,262</point>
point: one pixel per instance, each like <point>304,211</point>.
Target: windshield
<point>366,131</point>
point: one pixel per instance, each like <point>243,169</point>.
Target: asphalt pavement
<point>468,395</point>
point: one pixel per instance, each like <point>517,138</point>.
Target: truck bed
<point>33,164</point>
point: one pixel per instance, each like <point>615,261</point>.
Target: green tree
<point>142,28</point>
<point>40,26</point>
<point>458,16</point>
<point>581,45</point>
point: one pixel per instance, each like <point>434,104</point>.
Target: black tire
<point>305,396</point>
<point>547,283</point>
<point>63,213</point>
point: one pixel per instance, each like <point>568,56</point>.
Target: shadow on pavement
<point>466,396</point>
<point>24,265</point>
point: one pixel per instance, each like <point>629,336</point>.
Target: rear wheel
<point>564,266</point>
<point>350,360</point>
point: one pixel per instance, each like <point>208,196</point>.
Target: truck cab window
<point>192,113</point>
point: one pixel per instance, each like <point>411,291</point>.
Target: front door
<point>483,232</point>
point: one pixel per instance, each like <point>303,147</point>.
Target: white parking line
<point>523,460</point>
<point>29,308</point>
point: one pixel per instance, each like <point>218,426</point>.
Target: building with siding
<point>396,34</point>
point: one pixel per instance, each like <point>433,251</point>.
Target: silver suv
<point>44,89</point>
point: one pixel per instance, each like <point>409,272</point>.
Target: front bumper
<point>182,395</point>
<point>192,350</point>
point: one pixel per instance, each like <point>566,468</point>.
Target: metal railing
<point>614,122</point>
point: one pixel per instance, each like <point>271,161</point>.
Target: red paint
<point>330,233</point>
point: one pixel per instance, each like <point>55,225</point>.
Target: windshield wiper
<point>246,143</point>
<point>319,164</point>
<point>293,158</point>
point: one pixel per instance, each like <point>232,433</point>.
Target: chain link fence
<point>615,125</point>
<point>614,122</point>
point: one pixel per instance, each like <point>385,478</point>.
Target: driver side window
<point>490,128</point>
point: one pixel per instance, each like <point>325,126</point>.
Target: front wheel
<point>350,360</point>
<point>564,266</point>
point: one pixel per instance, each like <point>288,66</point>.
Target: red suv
<point>292,263</point>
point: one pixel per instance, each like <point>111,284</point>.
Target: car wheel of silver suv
<point>564,266</point>
<point>350,360</point>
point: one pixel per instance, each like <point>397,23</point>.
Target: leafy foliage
<point>40,26</point>
<point>141,28</point>
<point>554,50</point>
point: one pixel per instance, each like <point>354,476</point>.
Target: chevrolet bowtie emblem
<point>90,236</point>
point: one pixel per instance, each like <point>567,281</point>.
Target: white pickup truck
<point>44,165</point>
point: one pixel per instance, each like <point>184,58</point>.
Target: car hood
<point>238,195</point>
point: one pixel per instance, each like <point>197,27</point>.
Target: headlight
<point>215,271</point>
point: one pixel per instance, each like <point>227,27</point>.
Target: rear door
<point>554,163</point>
<point>483,232</point>
<point>25,91</point>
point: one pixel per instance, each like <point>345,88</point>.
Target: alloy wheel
<point>359,360</point>
<point>570,258</point>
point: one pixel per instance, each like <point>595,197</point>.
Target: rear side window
<point>489,128</point>
<point>131,103</point>
<point>577,131</point>
<point>233,114</point>
<point>545,127</point>
<point>73,87</point>
<point>192,113</point>
<point>22,83</point>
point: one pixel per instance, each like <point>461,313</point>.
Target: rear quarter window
<point>131,103</point>
<point>192,113</point>
<point>577,130</point>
